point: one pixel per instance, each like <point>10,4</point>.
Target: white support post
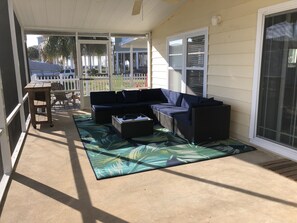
<point>131,65</point>
<point>136,60</point>
<point>87,74</point>
<point>4,142</point>
<point>99,64</point>
<point>25,98</point>
<point>117,62</point>
<point>124,61</point>
<point>93,61</point>
<point>149,60</point>
<point>79,71</point>
<point>110,65</point>
<point>5,146</point>
<point>25,56</point>
<point>71,61</point>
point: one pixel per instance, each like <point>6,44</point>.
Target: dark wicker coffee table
<point>133,125</point>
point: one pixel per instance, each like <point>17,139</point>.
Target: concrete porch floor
<point>54,182</point>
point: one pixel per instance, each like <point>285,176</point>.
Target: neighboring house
<point>122,49</point>
<point>41,69</point>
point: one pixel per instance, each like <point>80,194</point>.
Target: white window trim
<point>266,144</point>
<point>184,36</point>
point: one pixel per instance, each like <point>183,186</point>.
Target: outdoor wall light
<point>216,20</point>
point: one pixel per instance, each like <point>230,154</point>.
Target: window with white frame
<point>274,112</point>
<point>187,59</point>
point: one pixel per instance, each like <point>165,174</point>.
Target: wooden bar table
<point>39,97</point>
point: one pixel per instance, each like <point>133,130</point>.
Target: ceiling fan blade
<point>137,7</point>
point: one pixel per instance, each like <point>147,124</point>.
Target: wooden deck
<point>283,167</point>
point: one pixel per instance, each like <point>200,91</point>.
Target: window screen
<point>195,51</point>
<point>176,53</point>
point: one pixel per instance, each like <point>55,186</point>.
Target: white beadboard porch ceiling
<point>99,16</point>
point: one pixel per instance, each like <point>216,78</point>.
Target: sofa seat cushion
<point>159,106</point>
<point>171,111</point>
<point>119,107</point>
<point>166,116</point>
<point>107,107</point>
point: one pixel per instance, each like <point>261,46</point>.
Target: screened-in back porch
<point>241,53</point>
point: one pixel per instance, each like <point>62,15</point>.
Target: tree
<point>57,46</point>
<point>33,53</point>
<point>93,50</point>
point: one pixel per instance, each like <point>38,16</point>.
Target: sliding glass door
<point>277,108</point>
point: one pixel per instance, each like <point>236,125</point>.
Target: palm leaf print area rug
<point>110,155</point>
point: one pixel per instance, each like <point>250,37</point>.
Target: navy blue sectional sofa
<point>192,117</point>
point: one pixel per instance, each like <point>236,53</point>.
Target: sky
<point>32,40</point>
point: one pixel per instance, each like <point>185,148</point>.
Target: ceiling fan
<point>138,4</point>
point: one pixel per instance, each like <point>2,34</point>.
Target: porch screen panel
<point>14,131</point>
<point>26,108</point>
<point>7,61</point>
<point>277,109</point>
<point>22,61</point>
<point>20,53</point>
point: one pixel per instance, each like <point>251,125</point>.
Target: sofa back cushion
<point>103,97</point>
<point>154,94</point>
<point>120,97</point>
<point>209,102</point>
<point>190,100</point>
<point>173,97</point>
<point>130,96</point>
